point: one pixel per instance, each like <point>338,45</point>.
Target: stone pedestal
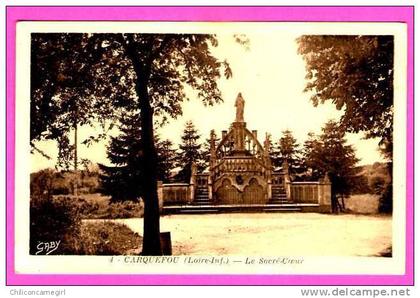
<point>324,195</point>
<point>269,191</point>
<point>160,194</point>
<point>210,187</point>
<point>239,136</point>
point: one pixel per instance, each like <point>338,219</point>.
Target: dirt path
<point>300,234</point>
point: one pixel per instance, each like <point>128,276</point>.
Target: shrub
<point>41,185</point>
<point>108,238</point>
<point>360,185</point>
<point>101,208</point>
<point>62,183</point>
<point>126,209</point>
<point>60,219</point>
<point>378,185</point>
<point>90,183</point>
<point>385,201</point>
<point>54,220</point>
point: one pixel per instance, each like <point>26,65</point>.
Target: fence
<point>175,193</point>
<point>318,192</point>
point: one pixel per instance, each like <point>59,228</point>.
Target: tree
<point>330,155</point>
<point>190,152</point>
<point>287,149</point>
<point>355,73</point>
<point>122,181</point>
<point>385,200</point>
<point>63,93</point>
<point>275,154</point>
<point>312,155</point>
<point>166,157</point>
<point>148,71</point>
<point>163,64</point>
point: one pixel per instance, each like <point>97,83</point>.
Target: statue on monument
<point>239,104</point>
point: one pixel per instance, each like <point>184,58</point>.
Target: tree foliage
<point>166,159</point>
<point>190,152</point>
<point>163,64</point>
<point>148,71</point>
<point>312,150</point>
<point>329,155</point>
<point>123,180</point>
<point>356,74</point>
<point>64,70</point>
<point>67,90</point>
<point>287,149</point>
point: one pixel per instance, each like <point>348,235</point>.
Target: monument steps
<point>279,196</point>
<point>198,211</point>
<point>201,197</point>
<point>278,202</point>
<point>282,209</point>
<point>202,209</point>
<point>279,193</point>
<point>202,203</point>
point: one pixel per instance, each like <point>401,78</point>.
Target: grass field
<point>363,203</point>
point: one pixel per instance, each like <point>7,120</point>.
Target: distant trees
<point>312,150</point>
<point>287,149</point>
<point>330,155</point>
<point>190,151</point>
<point>42,184</point>
<point>166,159</point>
<point>47,183</point>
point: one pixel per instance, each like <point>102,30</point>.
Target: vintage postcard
<point>211,148</point>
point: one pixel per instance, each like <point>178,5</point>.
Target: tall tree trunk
<point>151,225</point>
<point>75,147</point>
<point>75,186</point>
<point>151,217</point>
<point>334,204</point>
<point>334,200</point>
<point>343,203</point>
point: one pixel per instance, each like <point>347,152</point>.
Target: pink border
<point>321,14</point>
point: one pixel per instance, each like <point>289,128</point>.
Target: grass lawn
<point>286,234</point>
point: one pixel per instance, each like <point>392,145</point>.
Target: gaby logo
<point>45,248</point>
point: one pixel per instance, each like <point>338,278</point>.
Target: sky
<point>271,77</point>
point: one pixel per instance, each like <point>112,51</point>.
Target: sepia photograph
<point>235,144</point>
